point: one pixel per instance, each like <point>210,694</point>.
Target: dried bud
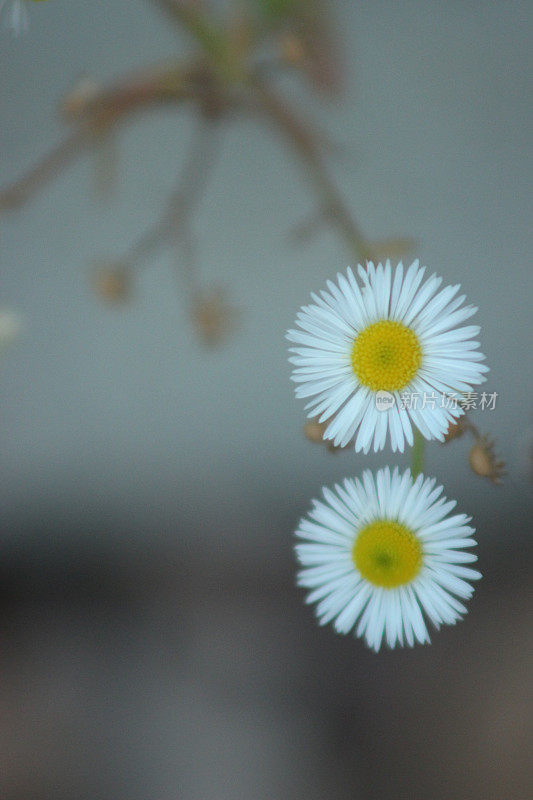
<point>112,283</point>
<point>213,317</point>
<point>483,460</point>
<point>314,431</point>
<point>456,429</point>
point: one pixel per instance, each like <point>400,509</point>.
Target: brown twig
<point>209,81</point>
<point>197,24</point>
<point>103,110</point>
<point>56,159</point>
<point>174,223</point>
<point>305,145</point>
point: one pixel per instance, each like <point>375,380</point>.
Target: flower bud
<point>483,460</point>
<point>112,282</point>
<point>314,431</point>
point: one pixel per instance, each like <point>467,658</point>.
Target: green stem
<point>210,38</point>
<point>417,454</point>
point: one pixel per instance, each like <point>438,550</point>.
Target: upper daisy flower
<point>385,356</point>
<point>383,550</point>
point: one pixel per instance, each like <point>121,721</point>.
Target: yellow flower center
<point>386,356</point>
<point>387,554</point>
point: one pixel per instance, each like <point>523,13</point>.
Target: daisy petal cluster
<point>382,555</point>
<point>392,334</point>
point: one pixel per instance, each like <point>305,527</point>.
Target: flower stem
<point>417,454</point>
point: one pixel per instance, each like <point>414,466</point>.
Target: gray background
<point>124,408</point>
<point>124,442</point>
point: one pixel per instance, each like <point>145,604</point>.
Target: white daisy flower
<point>387,356</point>
<point>381,551</point>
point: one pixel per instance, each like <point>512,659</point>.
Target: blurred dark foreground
<point>180,674</point>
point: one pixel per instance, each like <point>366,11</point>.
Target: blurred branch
<point>306,146</point>
<point>174,223</point>
<point>100,111</point>
<point>308,227</point>
<point>189,17</point>
<point>47,168</point>
<point>227,73</point>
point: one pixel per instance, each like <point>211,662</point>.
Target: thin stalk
<point>304,144</point>
<point>417,454</point>
<point>199,27</point>
<point>172,83</point>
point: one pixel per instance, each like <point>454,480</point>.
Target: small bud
<point>213,317</point>
<point>314,432</point>
<point>112,282</point>
<point>483,460</point>
<point>456,429</point>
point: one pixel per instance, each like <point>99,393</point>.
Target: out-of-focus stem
<point>214,44</point>
<point>198,26</point>
<point>45,169</point>
<point>174,223</point>
<point>108,107</point>
<point>417,454</point>
<point>304,143</point>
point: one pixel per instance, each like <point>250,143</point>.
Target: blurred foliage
<point>240,50</point>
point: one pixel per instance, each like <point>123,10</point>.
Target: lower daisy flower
<point>382,552</point>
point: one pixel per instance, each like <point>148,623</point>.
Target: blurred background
<point>153,645</point>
